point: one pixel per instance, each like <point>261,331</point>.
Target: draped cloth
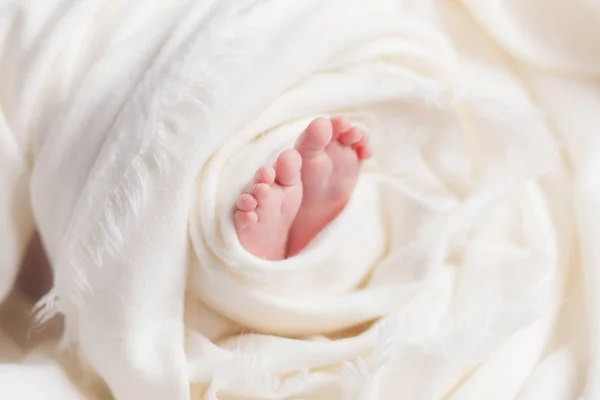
<point>463,267</point>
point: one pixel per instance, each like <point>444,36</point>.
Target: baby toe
<point>287,168</point>
<point>316,136</point>
<point>350,137</point>
<point>265,175</point>
<point>363,147</point>
<point>243,219</point>
<point>261,192</point>
<point>364,153</point>
<point>339,125</point>
<point>246,202</point>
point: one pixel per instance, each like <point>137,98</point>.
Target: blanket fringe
<point>189,82</point>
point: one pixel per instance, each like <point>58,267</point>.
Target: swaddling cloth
<point>445,276</point>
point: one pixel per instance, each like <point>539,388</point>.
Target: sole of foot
<point>264,214</point>
<point>332,152</point>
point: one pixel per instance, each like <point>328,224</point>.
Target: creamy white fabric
<point>464,266</point>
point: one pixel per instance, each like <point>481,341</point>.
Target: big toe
<point>315,138</point>
<point>287,168</point>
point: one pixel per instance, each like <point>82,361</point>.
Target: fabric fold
<point>458,269</point>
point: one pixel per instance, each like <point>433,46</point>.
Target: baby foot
<point>263,216</point>
<point>332,152</point>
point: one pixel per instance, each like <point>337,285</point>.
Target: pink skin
<point>263,216</point>
<point>310,185</point>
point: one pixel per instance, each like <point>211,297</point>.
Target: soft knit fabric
<point>464,267</point>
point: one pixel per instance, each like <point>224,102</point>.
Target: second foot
<point>332,152</point>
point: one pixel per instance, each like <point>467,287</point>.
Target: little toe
<point>363,148</point>
<point>243,219</point>
<point>287,167</point>
<point>350,137</point>
<point>364,153</point>
<point>316,136</point>
<point>246,202</point>
<point>339,125</point>
<point>265,175</point>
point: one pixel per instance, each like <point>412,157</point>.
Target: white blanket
<point>464,266</point>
